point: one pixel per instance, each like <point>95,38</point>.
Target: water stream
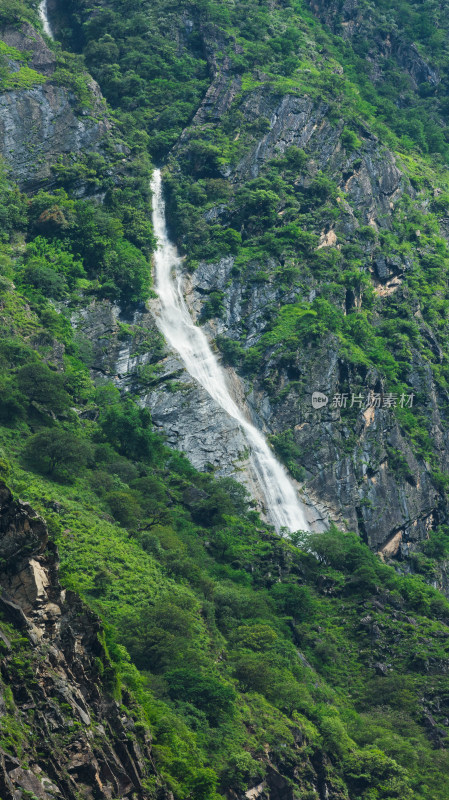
<point>43,13</point>
<point>282,504</point>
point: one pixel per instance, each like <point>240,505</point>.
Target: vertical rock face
<point>370,179</point>
<point>76,741</point>
<point>41,123</point>
<point>37,126</point>
<point>361,466</point>
<point>360,471</point>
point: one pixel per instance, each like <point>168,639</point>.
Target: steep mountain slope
<point>305,151</point>
<point>63,732</point>
<point>331,276</point>
<point>263,669</point>
<point>313,224</point>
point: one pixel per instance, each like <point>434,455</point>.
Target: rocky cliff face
<point>351,462</point>
<point>350,469</point>
<point>359,469</point>
<point>129,351</point>
<point>372,180</point>
<point>62,735</point>
<point>40,124</point>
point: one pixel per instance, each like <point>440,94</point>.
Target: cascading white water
<point>43,13</point>
<point>189,341</point>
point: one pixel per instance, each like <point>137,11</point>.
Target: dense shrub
<point>58,452</point>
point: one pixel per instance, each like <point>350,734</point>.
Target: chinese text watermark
<point>371,399</point>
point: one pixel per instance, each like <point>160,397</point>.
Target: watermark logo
<point>387,400</point>
<point>319,400</point>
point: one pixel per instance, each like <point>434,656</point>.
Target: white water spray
<point>43,13</point>
<point>189,341</point>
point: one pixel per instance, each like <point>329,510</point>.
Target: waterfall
<point>43,13</point>
<point>281,499</point>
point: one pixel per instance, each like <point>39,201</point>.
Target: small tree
<point>202,784</point>
<point>202,159</point>
<point>56,451</point>
<point>41,385</point>
<point>128,429</point>
<point>125,507</point>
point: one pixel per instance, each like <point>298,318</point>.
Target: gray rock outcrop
<point>41,123</point>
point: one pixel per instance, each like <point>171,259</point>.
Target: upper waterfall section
<point>43,14</point>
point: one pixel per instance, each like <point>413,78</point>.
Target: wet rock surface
<point>139,362</point>
<point>194,423</point>
<point>191,421</point>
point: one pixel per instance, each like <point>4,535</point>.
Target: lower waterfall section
<point>281,500</point>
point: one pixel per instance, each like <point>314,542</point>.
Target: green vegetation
<point>201,625</point>
<point>215,632</point>
<point>21,77</point>
<point>132,50</point>
<point>77,246</point>
<point>242,650</point>
<point>11,11</point>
